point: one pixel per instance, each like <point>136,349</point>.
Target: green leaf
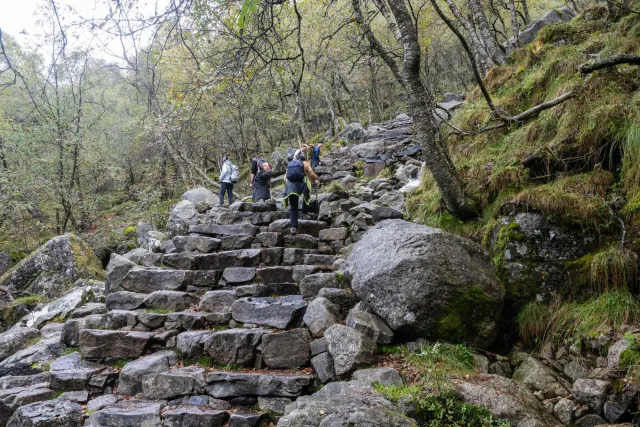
<point>248,7</point>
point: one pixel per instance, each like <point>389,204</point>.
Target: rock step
<point>135,412</point>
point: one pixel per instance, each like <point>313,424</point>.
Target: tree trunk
<point>490,43</point>
<point>474,40</point>
<point>420,101</point>
<point>515,27</point>
<point>525,9</point>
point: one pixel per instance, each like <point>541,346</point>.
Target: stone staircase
<point>225,323</point>
<point>217,320</point>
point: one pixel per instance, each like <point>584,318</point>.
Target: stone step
<point>239,258</point>
<point>141,412</point>
<point>305,226</point>
<point>283,312</point>
<point>225,230</point>
<point>227,385</point>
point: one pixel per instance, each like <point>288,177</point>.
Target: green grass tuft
<point>614,268</point>
<point>574,321</point>
<point>117,364</point>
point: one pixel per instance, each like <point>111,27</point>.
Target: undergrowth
<point>574,321</point>
<point>427,372</point>
<point>566,162</point>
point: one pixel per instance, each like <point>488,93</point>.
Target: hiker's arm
<point>309,171</point>
<point>254,171</point>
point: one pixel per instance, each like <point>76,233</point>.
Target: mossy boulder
<point>425,282</point>
<point>538,259</point>
<point>52,269</point>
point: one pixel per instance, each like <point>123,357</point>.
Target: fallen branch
<point>599,64</point>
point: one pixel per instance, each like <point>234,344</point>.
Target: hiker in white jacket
<point>226,181</point>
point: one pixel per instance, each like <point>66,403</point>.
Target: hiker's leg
<point>230,193</point>
<point>293,215</point>
<point>223,186</point>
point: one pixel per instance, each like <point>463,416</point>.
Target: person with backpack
<point>315,155</point>
<point>299,179</point>
<point>260,179</point>
<point>229,175</point>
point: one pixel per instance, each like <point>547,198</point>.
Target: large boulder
<point>53,268</point>
<point>530,33</point>
<point>182,216</point>
<point>199,195</point>
<point>538,258</point>
<point>424,282</point>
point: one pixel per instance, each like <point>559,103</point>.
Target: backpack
<point>295,171</point>
<point>316,153</point>
<point>264,169</point>
<point>235,173</point>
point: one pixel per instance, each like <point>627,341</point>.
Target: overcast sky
<point>19,18</point>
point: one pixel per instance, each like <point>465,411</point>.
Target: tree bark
<point>489,42</point>
<point>420,102</point>
<point>515,27</point>
<point>474,40</point>
<point>599,64</point>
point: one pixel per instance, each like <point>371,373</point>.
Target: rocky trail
<point>228,320</point>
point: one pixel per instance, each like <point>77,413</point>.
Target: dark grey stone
<point>125,300</point>
<point>172,300</point>
<point>49,413</point>
<point>281,312</point>
<point>234,346</point>
<point>224,385</point>
<point>349,348</point>
<point>363,320</point>
<point>99,344</point>
<point>409,275</point>
<point>287,350</point>
<point>130,382</point>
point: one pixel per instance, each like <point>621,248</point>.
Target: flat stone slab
<point>173,300</point>
<point>128,413</point>
<point>270,275</point>
<point>223,385</point>
<point>225,230</point>
<point>288,349</point>
<point>281,312</point>
<point>100,344</point>
<point>305,226</point>
<point>146,280</point>
<point>70,372</point>
<point>234,346</point>
<point>238,275</point>
<point>189,415</point>
<point>222,260</point>
<point>174,383</point>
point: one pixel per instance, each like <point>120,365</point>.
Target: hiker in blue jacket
<point>299,179</point>
<point>315,156</point>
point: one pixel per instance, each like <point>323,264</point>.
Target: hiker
<point>260,179</point>
<point>228,176</point>
<point>315,155</point>
<point>298,183</point>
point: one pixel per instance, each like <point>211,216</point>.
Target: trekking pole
<point>315,191</point>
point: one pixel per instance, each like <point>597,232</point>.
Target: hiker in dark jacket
<point>260,179</point>
<point>295,188</point>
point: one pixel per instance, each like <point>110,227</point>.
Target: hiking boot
<point>294,231</point>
